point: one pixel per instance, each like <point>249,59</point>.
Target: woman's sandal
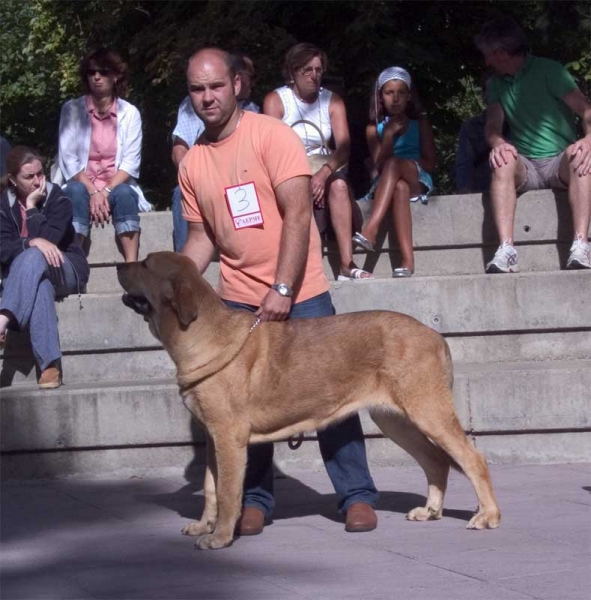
<point>401,272</point>
<point>354,274</point>
<point>361,240</point>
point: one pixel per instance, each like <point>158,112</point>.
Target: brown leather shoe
<point>50,378</point>
<point>361,517</point>
<point>251,521</point>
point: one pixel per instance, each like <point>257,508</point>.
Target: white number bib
<point>243,203</point>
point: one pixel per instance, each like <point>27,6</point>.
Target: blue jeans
<point>29,296</point>
<point>122,200</point>
<point>341,445</point>
<point>179,225</point>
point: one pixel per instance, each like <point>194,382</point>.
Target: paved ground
<point>120,539</point>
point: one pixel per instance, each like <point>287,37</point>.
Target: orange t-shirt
<point>267,152</point>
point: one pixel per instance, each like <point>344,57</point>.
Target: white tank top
<point>317,112</point>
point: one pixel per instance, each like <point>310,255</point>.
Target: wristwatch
<point>282,289</point>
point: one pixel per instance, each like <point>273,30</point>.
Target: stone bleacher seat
<point>521,345</point>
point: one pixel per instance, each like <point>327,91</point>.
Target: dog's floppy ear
<point>184,299</point>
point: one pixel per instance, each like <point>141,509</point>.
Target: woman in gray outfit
<point>40,258</point>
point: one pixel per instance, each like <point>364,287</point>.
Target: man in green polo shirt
<point>539,100</point>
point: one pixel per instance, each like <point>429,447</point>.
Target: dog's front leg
<point>230,458</point>
<point>210,512</point>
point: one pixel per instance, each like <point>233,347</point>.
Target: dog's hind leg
<point>440,424</point>
<point>230,457</point>
<point>210,513</point>
<point>434,462</point>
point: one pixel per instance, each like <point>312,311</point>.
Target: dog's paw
<point>213,542</point>
<point>423,513</point>
<point>485,520</point>
<point>197,528</point>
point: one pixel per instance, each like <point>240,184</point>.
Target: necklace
<point>102,111</point>
<point>240,115</point>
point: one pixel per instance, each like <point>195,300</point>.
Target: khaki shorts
<point>542,173</point>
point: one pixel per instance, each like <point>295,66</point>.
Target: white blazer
<point>74,142</point>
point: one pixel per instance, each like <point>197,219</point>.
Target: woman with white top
<point>303,99</point>
<point>100,143</point>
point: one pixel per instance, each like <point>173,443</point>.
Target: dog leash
<point>295,441</point>
<point>253,326</point>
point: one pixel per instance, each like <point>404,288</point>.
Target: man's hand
<point>36,195</point>
<point>318,186</point>
<point>580,156</point>
<point>274,307</point>
<point>499,156</point>
<point>100,211</point>
<point>53,255</point>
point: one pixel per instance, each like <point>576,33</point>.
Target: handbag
<point>316,162</point>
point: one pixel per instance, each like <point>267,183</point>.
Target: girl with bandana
<point>402,147</point>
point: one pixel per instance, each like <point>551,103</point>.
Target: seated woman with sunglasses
<point>302,99</point>
<point>100,142</point>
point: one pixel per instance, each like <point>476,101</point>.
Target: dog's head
<point>164,286</point>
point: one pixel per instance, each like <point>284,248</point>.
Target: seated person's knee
<point>402,190</point>
<point>31,257</point>
<point>123,190</point>
<point>339,187</point>
<point>76,191</point>
<point>506,169</point>
<point>124,199</point>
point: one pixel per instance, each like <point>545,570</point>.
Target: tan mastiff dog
<point>247,383</point>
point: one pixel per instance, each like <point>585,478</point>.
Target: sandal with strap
<point>401,272</point>
<point>354,274</point>
<point>361,240</point>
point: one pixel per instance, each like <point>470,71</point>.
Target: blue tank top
<point>408,145</point>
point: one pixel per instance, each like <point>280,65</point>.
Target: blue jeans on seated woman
<point>29,296</point>
<point>122,200</point>
<point>341,445</point>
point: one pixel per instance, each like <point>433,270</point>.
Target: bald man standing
<point>246,193</point>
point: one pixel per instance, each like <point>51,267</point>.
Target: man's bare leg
<point>579,197</point>
<point>505,180</point>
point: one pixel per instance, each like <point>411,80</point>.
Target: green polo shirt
<point>541,124</point>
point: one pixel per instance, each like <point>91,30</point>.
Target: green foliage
<point>42,42</point>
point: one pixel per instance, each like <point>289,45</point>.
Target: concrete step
<point>466,220</point>
<point>149,363</point>
<point>429,262</point>
<point>447,221</point>
<point>502,399</point>
<point>521,346</point>
<point>478,304</point>
<point>135,461</point>
<point>103,340</point>
<point>458,305</point>
<point>453,235</point>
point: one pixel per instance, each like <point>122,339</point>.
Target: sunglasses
<point>101,72</point>
<point>309,70</point>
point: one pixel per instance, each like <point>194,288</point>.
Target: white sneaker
<point>580,255</point>
<point>505,260</point>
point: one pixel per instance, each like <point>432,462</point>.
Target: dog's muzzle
<point>137,303</point>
